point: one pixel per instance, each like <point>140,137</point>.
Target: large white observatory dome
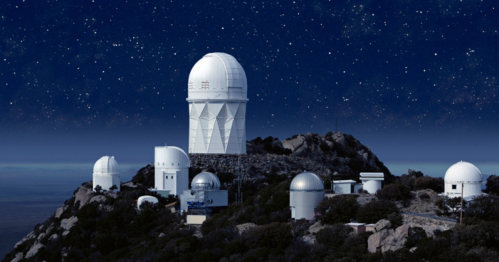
<point>206,180</point>
<point>106,165</point>
<point>307,181</point>
<point>106,173</point>
<point>217,76</point>
<point>463,173</point>
<point>306,192</point>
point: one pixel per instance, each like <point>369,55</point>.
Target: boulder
<point>340,139</point>
<point>297,144</point>
<point>42,235</point>
<point>388,239</point>
<point>59,212</point>
<point>68,223</point>
<point>33,250</point>
<point>382,224</point>
<point>161,235</point>
<point>65,233</point>
<point>375,241</point>
<point>53,237</point>
<point>396,240</point>
<point>98,198</point>
<point>83,195</point>
<point>19,257</point>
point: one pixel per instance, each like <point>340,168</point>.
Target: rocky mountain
<point>333,154</point>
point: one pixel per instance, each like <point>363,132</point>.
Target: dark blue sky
<point>413,80</point>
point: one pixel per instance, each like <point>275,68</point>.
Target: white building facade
<point>306,192</point>
<point>371,181</point>
<point>217,96</point>
<point>171,169</point>
<point>204,194</point>
<point>463,173</point>
<point>106,173</point>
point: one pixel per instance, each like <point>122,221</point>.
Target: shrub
<point>426,182</point>
<point>492,185</point>
<point>333,236</point>
<point>338,209</point>
<point>376,210</point>
<point>394,192</point>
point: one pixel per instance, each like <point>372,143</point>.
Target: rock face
<point>423,201</point>
<point>59,212</point>
<point>99,198</point>
<point>333,153</point>
<point>68,223</point>
<point>428,223</point>
<point>388,239</point>
<point>33,250</point>
<point>382,224</point>
<point>83,195</point>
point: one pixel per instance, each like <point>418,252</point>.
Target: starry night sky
<point>413,80</point>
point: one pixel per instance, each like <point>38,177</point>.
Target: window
<point>166,177</point>
<point>172,164</point>
<point>172,177</point>
<point>191,85</point>
<point>205,85</point>
<point>454,186</point>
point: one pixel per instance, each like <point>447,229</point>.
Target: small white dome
<point>106,165</point>
<point>149,199</point>
<point>217,76</point>
<point>463,171</point>
<point>205,180</point>
<point>307,181</point>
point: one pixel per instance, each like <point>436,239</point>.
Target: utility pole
<point>462,189</point>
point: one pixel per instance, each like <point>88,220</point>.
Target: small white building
<point>171,165</point>
<point>463,173</point>
<point>204,194</point>
<point>106,173</point>
<point>371,181</point>
<point>143,199</point>
<point>306,192</point>
<point>343,186</point>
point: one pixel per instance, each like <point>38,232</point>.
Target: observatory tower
<point>217,96</point>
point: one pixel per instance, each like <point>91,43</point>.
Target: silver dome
<point>205,180</point>
<point>307,181</point>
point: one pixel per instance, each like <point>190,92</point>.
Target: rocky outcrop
<point>387,239</point>
<point>68,223</point>
<point>33,250</point>
<point>19,257</point>
<point>83,195</point>
<point>99,198</point>
<point>422,201</point>
<point>59,212</point>
<point>428,222</point>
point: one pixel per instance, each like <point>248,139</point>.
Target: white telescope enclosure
<point>371,181</point>
<point>106,173</point>
<point>217,96</point>
<point>143,199</point>
<point>306,192</point>
<point>463,173</point>
<point>171,169</point>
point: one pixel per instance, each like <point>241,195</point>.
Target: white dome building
<point>463,173</point>
<point>306,192</point>
<point>143,199</point>
<point>205,194</point>
<point>106,173</point>
<point>217,96</point>
<point>171,169</point>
